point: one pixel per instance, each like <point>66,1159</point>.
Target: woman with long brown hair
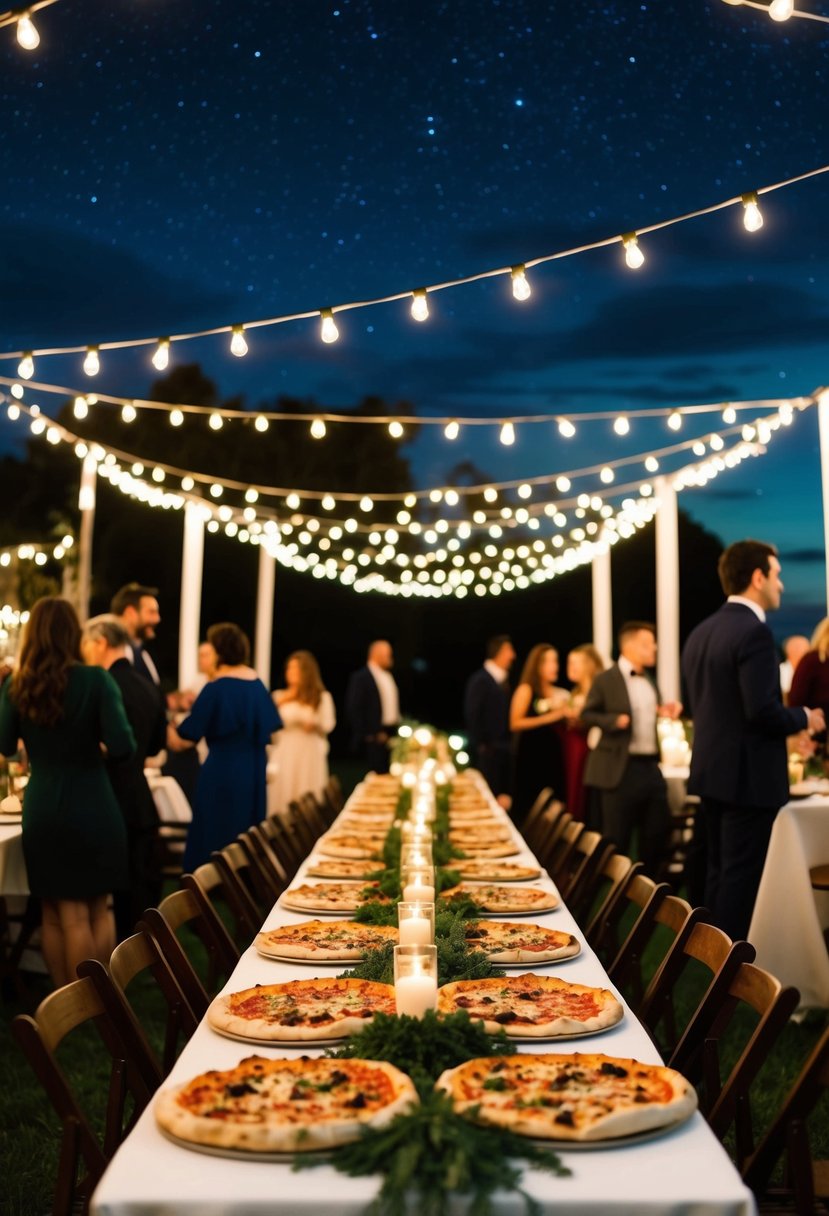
<point>583,665</point>
<point>74,839</point>
<point>538,712</point>
<point>299,756</point>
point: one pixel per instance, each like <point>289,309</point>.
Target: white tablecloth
<point>685,1173</point>
<point>13,879</point>
<point>789,917</point>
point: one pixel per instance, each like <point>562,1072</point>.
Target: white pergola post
<point>602,601</point>
<point>192,566</point>
<point>823,432</point>
<point>264,615</point>
<point>86,506</point>
<point>667,590</point>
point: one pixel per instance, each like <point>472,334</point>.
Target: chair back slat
<point>666,911</point>
<point>220,888</point>
<point>609,884</point>
<point>188,908</point>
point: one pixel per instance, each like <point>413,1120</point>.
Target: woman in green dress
<point>74,840</point>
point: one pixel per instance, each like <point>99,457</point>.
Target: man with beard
<point>136,607</point>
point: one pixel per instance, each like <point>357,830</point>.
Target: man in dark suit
<point>624,766</point>
<point>104,644</point>
<point>486,714</point>
<point>372,706</point>
<point>136,607</point>
<point>738,766</point>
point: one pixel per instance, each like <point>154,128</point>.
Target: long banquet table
<point>684,1172</point>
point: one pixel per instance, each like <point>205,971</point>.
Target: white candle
<point>415,892</point>
<point>414,994</point>
<point>415,931</point>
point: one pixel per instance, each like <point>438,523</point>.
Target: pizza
<point>477,848</point>
<point>278,1105</point>
<point>532,1006</point>
<point>481,869</point>
<point>504,899</point>
<point>356,845</point>
<point>569,1097</point>
<point>484,834</point>
<point>342,867</point>
<point>331,896</point>
<point>300,1010</point>
<point>374,823</point>
<point>325,940</point>
<point>502,942</point>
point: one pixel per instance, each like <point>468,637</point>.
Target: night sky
<point>169,166</point>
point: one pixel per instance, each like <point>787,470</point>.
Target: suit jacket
<point>141,665</point>
<point>607,699</point>
<point>732,679</point>
<point>146,716</point>
<point>363,707</point>
<point>486,710</point>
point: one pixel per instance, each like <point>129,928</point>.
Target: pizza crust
<point>289,1130</point>
<point>649,1097</point>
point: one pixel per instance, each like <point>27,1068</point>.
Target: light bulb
<point>292,501</point>
<point>452,430</point>
<point>420,306</point>
<point>162,354</point>
<point>176,418</point>
<point>79,407</point>
<point>566,428</point>
<point>525,490</point>
<point>238,343</point>
<point>396,430</point>
<point>507,435</point>
<point>251,495</point>
<point>651,464</point>
<point>779,10</point>
<point>27,34</point>
<point>521,289</point>
<point>318,429</point>
<point>328,329</point>
<point>261,423</point>
<point>17,391</point>
<point>675,420</point>
<point>752,215</point>
<point>621,426</point>
<point>216,422</point>
<point>607,474</point>
<point>128,413</point>
<point>26,366</point>
<point>328,503</point>
<point>92,364</point>
<point>365,503</point>
<point>634,257</point>
<point>729,415</point>
<point>563,484</point>
<point>490,494</point>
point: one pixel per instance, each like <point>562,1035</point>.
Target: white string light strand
<point>27,34</point>
<point>778,10</point>
<point>326,315</point>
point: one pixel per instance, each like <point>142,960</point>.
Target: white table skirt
<point>685,1173</point>
<point>789,917</point>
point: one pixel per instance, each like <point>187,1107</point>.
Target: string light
<point>328,503</point>
<point>261,423</point>
<point>729,415</point>
<point>79,407</point>
<point>216,422</point>
<point>328,329</point>
<point>238,342</point>
<point>781,10</point>
<point>507,434</point>
<point>318,429</point>
<point>621,426</point>
<point>420,306</point>
<point>521,289</point>
<point>366,504</point>
<point>129,413</point>
<point>161,358</point>
<point>17,391</point>
<point>634,257</point>
<point>27,34</point>
<point>26,366</point>
<point>176,418</point>
<point>752,215</point>
<point>92,363</point>
<point>396,430</point>
<point>566,428</point>
<point>452,430</point>
<point>675,420</point>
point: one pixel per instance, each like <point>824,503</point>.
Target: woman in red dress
<point>583,665</point>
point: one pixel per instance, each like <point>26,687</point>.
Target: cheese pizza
<point>324,940</point>
<point>483,869</point>
<point>344,867</point>
<point>503,942</point>
<point>586,1097</point>
<point>277,1105</point>
<point>505,900</point>
<point>357,845</point>
<point>332,896</point>
<point>532,1006</point>
<point>300,1010</point>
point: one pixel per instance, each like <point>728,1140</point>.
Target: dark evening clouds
<point>175,166</point>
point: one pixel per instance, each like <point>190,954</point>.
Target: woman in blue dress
<point>236,717</point>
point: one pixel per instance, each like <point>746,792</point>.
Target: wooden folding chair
<point>257,847</point>
<point>546,827</point>
<point>238,866</point>
<point>189,909</point>
<point>334,792</point>
<point>638,898</point>
<point>556,858</point>
<point>83,1154</point>
<point>134,960</point>
<point>297,820</point>
<point>658,925</point>
<point>578,870</point>
<point>608,885</point>
<point>230,901</point>
<point>282,842</point>
<point>726,1104</point>
<point>537,809</point>
<point>804,1179</point>
<point>314,818</point>
<point>707,956</point>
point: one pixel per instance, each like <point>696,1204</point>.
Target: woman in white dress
<point>299,756</point>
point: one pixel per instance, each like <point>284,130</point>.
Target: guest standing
<point>794,648</point>
<point>236,717</point>
<point>299,757</point>
<point>738,765</point>
<point>136,606</point>
<point>74,839</point>
<point>583,665</point>
<point>372,706</point>
<point>810,683</point>
<point>624,765</point>
<point>104,643</point>
<point>538,711</point>
<point>486,714</point>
